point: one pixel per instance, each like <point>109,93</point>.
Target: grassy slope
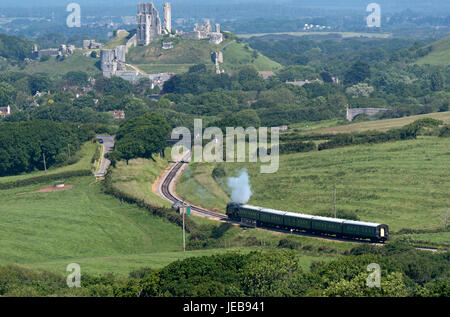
<point>86,153</point>
<point>120,39</point>
<point>235,55</point>
<point>404,184</point>
<point>78,223</point>
<point>76,62</point>
<point>138,177</point>
<point>187,53</point>
<point>332,126</point>
<point>440,55</point>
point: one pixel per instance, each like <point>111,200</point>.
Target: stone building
<point>91,45</point>
<point>167,18</point>
<point>113,61</point>
<point>5,111</point>
<point>148,22</point>
<point>205,31</point>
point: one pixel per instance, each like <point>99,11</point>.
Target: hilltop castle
<point>149,26</point>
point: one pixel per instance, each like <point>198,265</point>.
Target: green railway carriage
<point>249,212</point>
<point>368,230</point>
<point>272,217</point>
<point>326,225</point>
<point>314,224</point>
<point>297,221</point>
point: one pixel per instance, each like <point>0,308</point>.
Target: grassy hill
<point>153,59</point>
<point>404,184</point>
<point>76,62</point>
<point>440,54</point>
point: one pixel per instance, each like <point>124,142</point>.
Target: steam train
<point>341,228</point>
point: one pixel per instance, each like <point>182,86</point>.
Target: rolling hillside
<point>440,54</point>
<point>76,62</point>
<point>153,59</point>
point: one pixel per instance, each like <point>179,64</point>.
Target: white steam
<point>240,186</point>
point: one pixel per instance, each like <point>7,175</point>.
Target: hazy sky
<point>438,6</point>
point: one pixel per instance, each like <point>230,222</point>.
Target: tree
<point>142,137</point>
<point>76,78</point>
<point>360,90</point>
<point>7,94</point>
<point>437,81</point>
<point>357,73</point>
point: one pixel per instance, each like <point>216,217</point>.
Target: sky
<point>437,6</point>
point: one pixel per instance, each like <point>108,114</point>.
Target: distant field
<point>343,34</point>
<point>164,68</point>
<point>76,62</point>
<point>440,55</point>
<point>333,126</point>
<point>86,153</point>
<point>404,184</point>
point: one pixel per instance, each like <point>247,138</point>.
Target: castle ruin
<point>205,31</point>
<point>148,21</point>
<point>167,18</point>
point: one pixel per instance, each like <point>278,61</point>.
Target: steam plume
<point>240,186</point>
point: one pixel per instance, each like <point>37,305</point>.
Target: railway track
<point>166,191</point>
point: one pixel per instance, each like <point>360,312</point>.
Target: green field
<point>137,178</point>
<point>86,153</point>
<point>153,59</point>
<point>76,62</point>
<point>439,56</point>
<point>81,223</point>
<point>337,126</point>
<point>403,184</point>
<point>343,34</point>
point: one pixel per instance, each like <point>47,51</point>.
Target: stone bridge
<point>352,113</point>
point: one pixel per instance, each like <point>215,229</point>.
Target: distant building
<point>266,74</point>
<point>118,114</point>
<point>91,45</point>
<point>5,111</point>
<point>167,46</point>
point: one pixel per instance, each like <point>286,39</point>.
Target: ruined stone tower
<point>148,23</point>
<point>167,18</point>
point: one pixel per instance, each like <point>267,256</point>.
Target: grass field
<point>403,184</point>
<point>86,153</point>
<point>343,34</point>
<point>336,126</point>
<point>137,178</point>
<point>76,62</point>
<point>440,55</point>
<point>81,223</point>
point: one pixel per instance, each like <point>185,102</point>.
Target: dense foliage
<point>141,137</point>
<point>257,274</point>
<point>23,146</point>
